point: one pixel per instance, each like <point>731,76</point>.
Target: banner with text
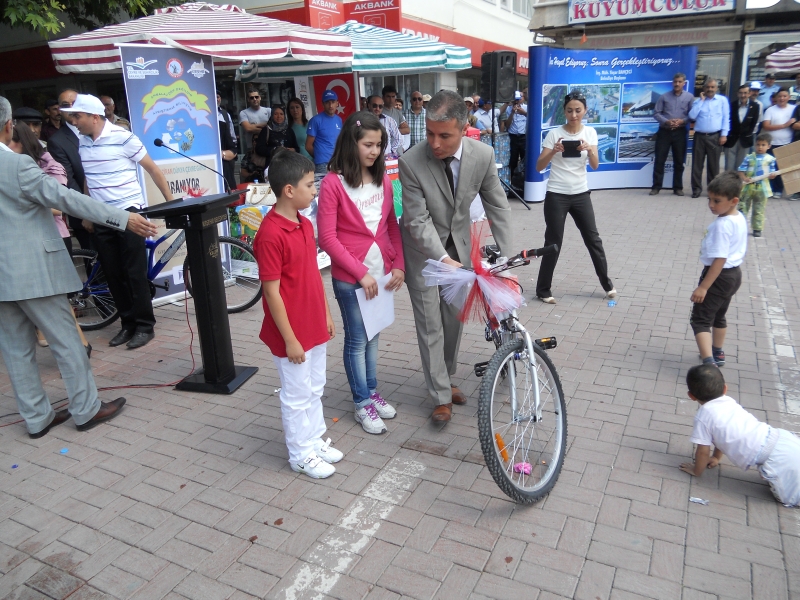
<point>172,98</point>
<point>621,88</point>
<point>604,11</point>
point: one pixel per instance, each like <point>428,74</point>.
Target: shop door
<point>717,66</point>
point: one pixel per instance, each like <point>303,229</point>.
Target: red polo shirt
<point>287,251</point>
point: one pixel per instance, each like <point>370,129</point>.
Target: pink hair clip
<point>358,123</point>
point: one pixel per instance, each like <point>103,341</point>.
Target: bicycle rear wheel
<point>523,454</point>
<point>239,272</point>
<point>93,305</point>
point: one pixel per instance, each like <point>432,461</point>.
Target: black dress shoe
<point>139,339</point>
<point>60,417</point>
<point>695,194</point>
<point>88,350</point>
<point>678,192</point>
<point>122,337</point>
<point>108,410</point>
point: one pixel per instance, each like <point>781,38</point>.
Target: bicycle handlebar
<point>537,252</point>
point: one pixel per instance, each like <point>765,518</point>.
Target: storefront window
<point>717,66</point>
<point>758,47</point>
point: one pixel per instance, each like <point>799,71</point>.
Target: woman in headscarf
<point>276,134</point>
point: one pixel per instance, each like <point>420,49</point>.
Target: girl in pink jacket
<point>358,229</point>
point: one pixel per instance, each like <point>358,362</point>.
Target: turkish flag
<point>345,86</point>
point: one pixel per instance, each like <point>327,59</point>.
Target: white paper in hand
<point>377,313</point>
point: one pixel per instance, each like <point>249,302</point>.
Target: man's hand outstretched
<point>141,226</point>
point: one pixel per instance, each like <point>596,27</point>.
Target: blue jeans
<point>360,355</point>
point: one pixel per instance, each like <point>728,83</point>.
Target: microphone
<point>160,143</point>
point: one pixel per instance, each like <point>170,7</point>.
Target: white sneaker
<point>612,293</point>
<point>370,419</point>
<point>314,466</point>
<point>548,300</point>
<point>385,410</point>
<point>327,452</point>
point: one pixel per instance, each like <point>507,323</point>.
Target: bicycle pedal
<point>480,368</point>
<point>547,343</point>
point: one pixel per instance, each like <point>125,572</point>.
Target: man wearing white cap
<point>109,155</point>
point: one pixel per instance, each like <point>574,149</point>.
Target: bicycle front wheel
<point>93,305</point>
<point>524,453</point>
<point>239,272</point>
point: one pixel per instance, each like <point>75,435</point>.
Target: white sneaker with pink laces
<point>385,410</point>
<point>370,419</point>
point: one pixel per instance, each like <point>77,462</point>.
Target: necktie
<point>449,172</point>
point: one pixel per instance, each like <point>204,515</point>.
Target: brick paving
<point>190,496</point>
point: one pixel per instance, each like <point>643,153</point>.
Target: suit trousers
<point>301,405</point>
<point>666,139</point>
<point>706,150</point>
<point>53,316</point>
<point>734,156</point>
<point>438,337</point>
<point>124,260</point>
<point>579,206</point>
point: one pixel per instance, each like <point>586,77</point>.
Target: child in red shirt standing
<point>297,321</point>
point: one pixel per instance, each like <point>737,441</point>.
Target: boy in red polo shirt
<point>297,321</point>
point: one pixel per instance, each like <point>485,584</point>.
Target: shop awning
<point>375,50</point>
<point>786,60</point>
<point>227,32</point>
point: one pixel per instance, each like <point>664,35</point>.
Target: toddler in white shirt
<point>721,422</point>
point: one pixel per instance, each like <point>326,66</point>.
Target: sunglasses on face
<point>65,105</point>
<point>254,97</point>
<point>377,106</point>
<point>417,99</point>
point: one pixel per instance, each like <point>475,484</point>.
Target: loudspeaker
<point>498,75</point>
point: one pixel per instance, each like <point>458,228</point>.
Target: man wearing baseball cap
<point>109,155</point>
<point>515,120</point>
<point>323,131</point>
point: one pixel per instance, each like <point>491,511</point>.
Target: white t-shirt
<point>724,424</point>
<point>726,237</point>
<point>369,202</point>
<point>568,175</point>
<point>778,116</point>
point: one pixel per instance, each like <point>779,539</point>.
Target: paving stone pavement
<point>190,496</point>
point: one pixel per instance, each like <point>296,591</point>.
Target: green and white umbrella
<point>375,50</point>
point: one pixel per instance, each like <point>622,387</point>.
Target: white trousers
<point>782,468</point>
<point>301,408</point>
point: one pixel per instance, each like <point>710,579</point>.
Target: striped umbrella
<point>375,50</point>
<point>227,32</point>
<point>786,60</point>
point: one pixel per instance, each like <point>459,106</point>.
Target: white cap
<point>86,103</point>
<point>469,99</point>
<point>426,97</point>
<point>517,95</point>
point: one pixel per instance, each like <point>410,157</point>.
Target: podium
<point>199,217</point>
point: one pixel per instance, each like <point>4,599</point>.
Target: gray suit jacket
<point>431,214</point>
<point>35,261</point>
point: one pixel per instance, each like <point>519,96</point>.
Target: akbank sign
<point>600,11</point>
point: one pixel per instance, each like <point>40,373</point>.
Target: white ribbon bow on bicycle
<point>474,293</point>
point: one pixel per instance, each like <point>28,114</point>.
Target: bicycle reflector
<point>547,343</point>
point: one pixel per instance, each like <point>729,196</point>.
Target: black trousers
<point>556,209</point>
<point>517,146</point>
<point>84,237</point>
<point>712,311</point>
<point>666,139</point>
<point>706,150</point>
<point>124,260</point>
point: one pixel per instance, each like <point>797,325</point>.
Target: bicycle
<point>95,308</point>
<point>522,426</point>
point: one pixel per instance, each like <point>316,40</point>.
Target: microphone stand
<point>159,143</point>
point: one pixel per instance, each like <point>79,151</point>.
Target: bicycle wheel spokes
<point>526,452</point>
<point>240,272</point>
<point>93,305</point>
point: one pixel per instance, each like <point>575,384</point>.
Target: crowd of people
<point>726,127</point>
<point>343,166</point>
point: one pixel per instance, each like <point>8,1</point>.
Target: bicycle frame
<point>510,328</point>
<point>154,268</point>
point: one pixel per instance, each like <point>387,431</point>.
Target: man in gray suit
<point>37,275</point>
<point>441,178</point>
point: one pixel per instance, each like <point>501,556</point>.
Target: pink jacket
<point>347,239</point>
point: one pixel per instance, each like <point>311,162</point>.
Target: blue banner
<point>621,88</point>
<point>172,97</point>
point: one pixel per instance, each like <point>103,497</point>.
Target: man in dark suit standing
<point>441,177</point>
<point>745,116</point>
<point>63,147</point>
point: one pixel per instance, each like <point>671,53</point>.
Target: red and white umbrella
<point>786,60</point>
<point>225,32</point>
